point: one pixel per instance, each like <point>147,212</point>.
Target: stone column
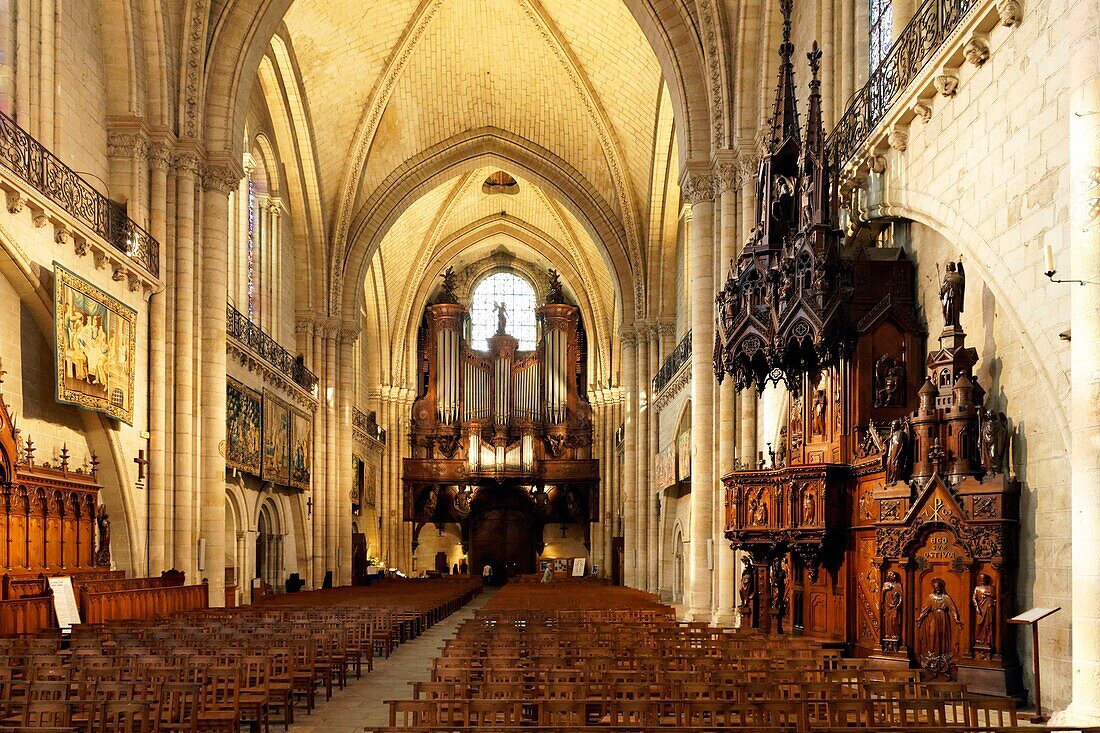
<point>902,13</point>
<point>748,167</point>
<point>320,500</point>
<point>332,537</point>
<point>183,377</point>
<point>725,567</point>
<point>630,462</point>
<point>218,180</point>
<point>653,541</point>
<point>345,392</point>
<point>1084,234</point>
<point>641,435</point>
<point>159,377</point>
<point>698,189</point>
<point>846,67</point>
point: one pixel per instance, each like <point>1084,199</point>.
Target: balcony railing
<point>368,423</point>
<point>680,356</point>
<point>30,160</point>
<point>932,24</point>
<point>239,327</point>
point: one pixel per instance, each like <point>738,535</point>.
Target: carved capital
<point>220,178</point>
<point>698,187</point>
<point>726,177</point>
<point>748,167</point>
<point>186,162</point>
<point>1010,11</point>
<point>628,337</point>
<point>126,145</point>
<point>275,206</point>
<point>976,49</point>
<point>159,155</point>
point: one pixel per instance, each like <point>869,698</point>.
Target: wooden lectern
<point>1032,618</point>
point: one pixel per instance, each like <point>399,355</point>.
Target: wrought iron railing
<point>931,25</point>
<point>239,327</point>
<point>368,423</point>
<point>30,160</point>
<point>680,356</point>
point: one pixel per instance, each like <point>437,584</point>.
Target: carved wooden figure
<point>939,623</point>
<point>984,599</point>
<point>892,600</point>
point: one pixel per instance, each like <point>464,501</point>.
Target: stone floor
<point>362,702</point>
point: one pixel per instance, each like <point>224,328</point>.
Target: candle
<point>1048,250</point>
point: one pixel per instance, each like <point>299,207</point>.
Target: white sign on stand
<point>64,602</point>
<point>578,567</point>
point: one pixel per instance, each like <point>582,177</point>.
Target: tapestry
<point>683,451</point>
<point>358,476</point>
<point>243,433</point>
<point>95,341</point>
<point>276,424</point>
<point>369,486</point>
<point>301,452</point>
<point>665,467</point>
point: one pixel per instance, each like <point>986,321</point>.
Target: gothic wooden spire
<point>785,112</point>
<point>815,133</point>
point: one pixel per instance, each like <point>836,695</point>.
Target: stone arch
<point>476,149</point>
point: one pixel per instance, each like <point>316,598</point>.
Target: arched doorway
<point>504,539</point>
<point>269,546</point>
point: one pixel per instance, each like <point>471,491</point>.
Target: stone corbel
<point>898,137</point>
<point>976,49</point>
<point>1010,11</point>
<point>947,81</point>
<point>922,109</point>
<point>100,257</point>
<point>40,220</point>
<point>16,201</point>
<point>877,163</point>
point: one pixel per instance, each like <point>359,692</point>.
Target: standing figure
<point>935,620</point>
<point>819,412</point>
<point>896,459</point>
<point>892,598</point>
<point>502,317</point>
<point>951,293</point>
<point>994,441</point>
<point>103,545</point>
<point>809,508</point>
<point>781,448</point>
<point>985,613</point>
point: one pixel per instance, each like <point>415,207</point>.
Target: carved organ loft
<point>501,439</point>
<point>882,517</point>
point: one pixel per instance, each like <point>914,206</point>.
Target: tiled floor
<point>362,702</point>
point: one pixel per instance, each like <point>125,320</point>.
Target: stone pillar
<point>345,392</point>
<point>218,180</point>
<point>183,377</point>
<point>641,435</point>
<point>653,541</point>
<point>748,168</point>
<point>846,68</point>
<point>902,13</point>
<point>159,377</point>
<point>320,500</point>
<point>328,404</point>
<point>725,567</point>
<point>698,189</point>
<point>1084,234</point>
<point>630,462</point>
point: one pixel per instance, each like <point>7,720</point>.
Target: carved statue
<point>747,591</point>
<point>889,377</point>
<point>573,504</point>
<point>781,448</point>
<point>897,460</point>
<point>502,316</point>
<point>985,612</point>
<point>448,294</point>
<point>431,499</point>
<point>462,503</point>
<point>796,422</point>
<point>820,404</point>
<point>935,621</point>
<point>554,294</point>
<point>103,540</point>
<point>778,580</point>
<point>994,441</point>
<point>759,508</point>
<point>892,598</point>
<point>809,508</point>
<point>951,293</point>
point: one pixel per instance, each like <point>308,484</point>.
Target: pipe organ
<point>502,418</point>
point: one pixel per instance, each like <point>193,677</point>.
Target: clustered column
<point>641,436</point>
<point>631,546</point>
<point>653,542</point>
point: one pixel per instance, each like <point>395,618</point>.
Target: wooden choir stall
<point>501,439</point>
<point>882,517</point>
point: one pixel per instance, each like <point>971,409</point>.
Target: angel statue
<point>951,293</point>
<point>447,293</point>
<point>554,293</point>
<point>993,439</point>
<point>502,316</point>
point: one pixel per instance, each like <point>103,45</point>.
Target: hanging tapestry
<point>243,433</point>
<point>276,462</point>
<point>301,454</point>
<point>95,342</point>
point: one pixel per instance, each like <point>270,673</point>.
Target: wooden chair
<point>126,716</point>
<point>993,712</point>
<point>179,707</point>
<point>219,708</point>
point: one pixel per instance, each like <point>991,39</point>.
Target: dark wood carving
<point>502,420</point>
<point>885,517</point>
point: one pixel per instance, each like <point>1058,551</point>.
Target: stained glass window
<point>518,298</point>
<point>250,245</point>
<point>882,31</point>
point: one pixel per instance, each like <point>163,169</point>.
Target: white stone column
<point>183,377</point>
<point>652,542</point>
<point>345,392</point>
<point>641,435</point>
<point>748,167</point>
<point>630,462</point>
<point>332,498</point>
<point>1084,234</point>
<point>218,180</point>
<point>317,480</point>
<point>698,189</point>
<point>159,377</point>
<point>724,607</point>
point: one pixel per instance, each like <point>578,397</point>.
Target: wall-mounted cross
<point>141,464</point>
